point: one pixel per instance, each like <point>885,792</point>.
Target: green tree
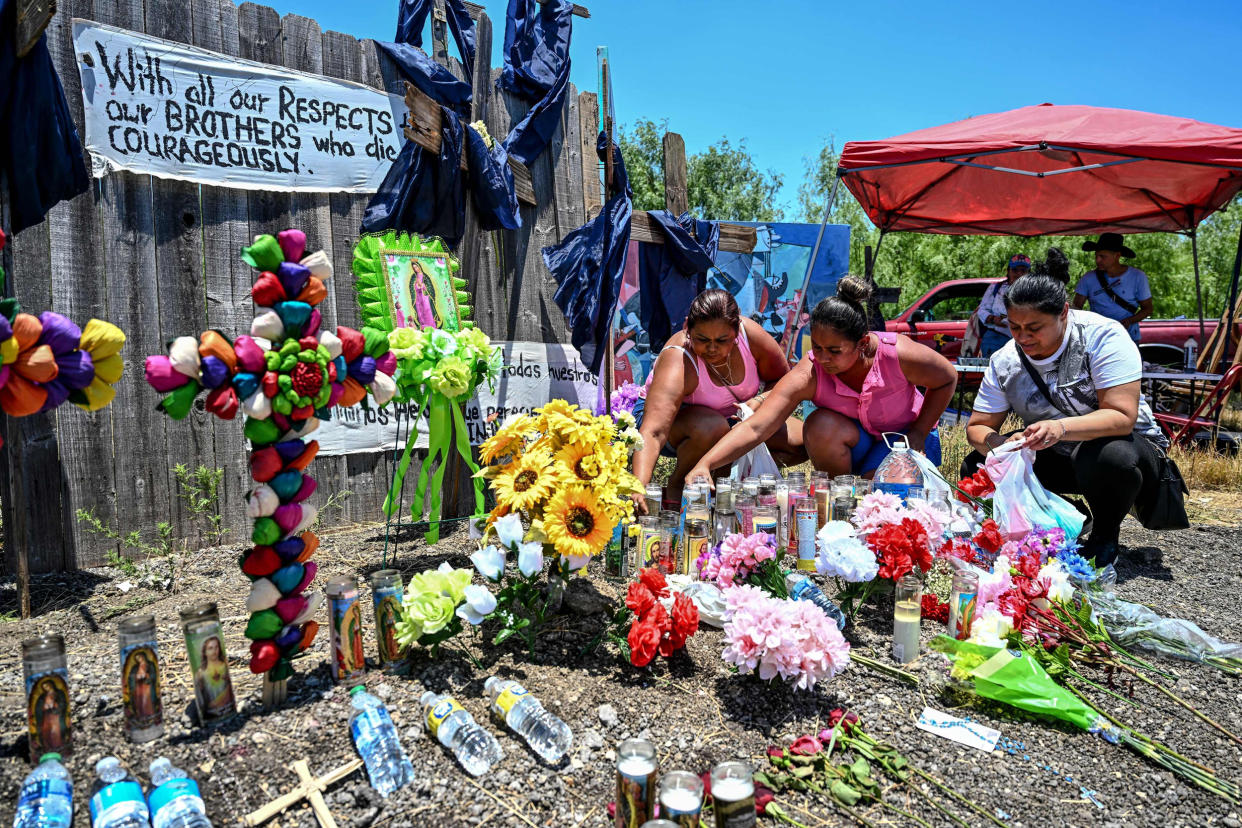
<point>723,181</point>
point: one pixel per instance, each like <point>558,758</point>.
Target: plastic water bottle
<point>456,729</point>
<point>46,797</point>
<point>898,473</point>
<point>174,800</point>
<point>375,736</point>
<point>116,798</point>
<point>1191,348</point>
<point>546,734</point>
<point>802,588</point>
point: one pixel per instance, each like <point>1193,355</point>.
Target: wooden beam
<point>439,33</point>
<point>579,11</point>
<point>588,121</point>
<point>424,130</point>
<point>734,238</point>
<point>676,191</point>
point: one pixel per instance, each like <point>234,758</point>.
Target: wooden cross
<point>311,790</point>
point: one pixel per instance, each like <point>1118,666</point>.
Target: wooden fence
<point>159,258</point>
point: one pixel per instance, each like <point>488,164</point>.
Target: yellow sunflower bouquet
<point>564,471</point>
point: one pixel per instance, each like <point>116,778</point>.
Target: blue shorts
<point>640,405</point>
<point>871,450</point>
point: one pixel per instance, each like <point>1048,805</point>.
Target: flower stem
<point>1184,704</point>
<point>886,669</point>
<point>905,814</point>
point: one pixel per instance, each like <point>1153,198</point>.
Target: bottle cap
<point>47,756</point>
<point>356,689</point>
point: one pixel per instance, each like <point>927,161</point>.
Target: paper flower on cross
<point>47,360</point>
<point>285,376</point>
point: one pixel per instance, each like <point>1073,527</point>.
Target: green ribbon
<point>463,448</point>
<point>439,433</point>
<point>393,501</point>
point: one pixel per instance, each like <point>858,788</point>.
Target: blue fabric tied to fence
<point>670,275</point>
<point>536,70</point>
<point>589,264</point>
<point>39,146</point>
<point>423,193</point>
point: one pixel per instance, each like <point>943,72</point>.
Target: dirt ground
<point>694,707</point>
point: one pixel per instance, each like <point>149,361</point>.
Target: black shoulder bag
<point>1112,294</point>
<point>1161,503</point>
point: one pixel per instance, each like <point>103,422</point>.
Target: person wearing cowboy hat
<point>991,313</point>
<point>1115,290</point>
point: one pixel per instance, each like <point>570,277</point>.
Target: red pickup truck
<point>939,319</point>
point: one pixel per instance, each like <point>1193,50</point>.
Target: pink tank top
<point>721,398</point>
<point>887,402</point>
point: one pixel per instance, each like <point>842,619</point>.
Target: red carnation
<point>989,537</point>
<point>644,639</point>
<point>685,616</point>
<point>935,609</point>
<point>653,579</point>
<point>979,485</point>
<point>639,599</point>
<point>806,746</point>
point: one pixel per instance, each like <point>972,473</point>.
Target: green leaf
<point>503,635</point>
<point>844,794</point>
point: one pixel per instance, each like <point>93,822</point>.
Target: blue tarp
<point>670,275</point>
<point>536,70</point>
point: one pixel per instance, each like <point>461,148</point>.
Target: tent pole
<point>1194,254</point>
<point>1233,296</point>
<point>791,323</point>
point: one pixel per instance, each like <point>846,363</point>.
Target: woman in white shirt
<point>1073,378</point>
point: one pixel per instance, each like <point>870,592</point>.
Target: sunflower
<point>575,522</point>
<point>566,429</point>
<point>562,407</point>
<point>528,482</point>
<point>588,463</point>
<point>508,440</point>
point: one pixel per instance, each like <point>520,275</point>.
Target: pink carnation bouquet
<point>736,558</point>
<point>793,640</point>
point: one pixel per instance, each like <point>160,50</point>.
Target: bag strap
<point>1099,277</point>
<point>1039,382</point>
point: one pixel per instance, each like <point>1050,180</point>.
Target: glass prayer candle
<point>751,486</point>
<point>806,518</point>
<point>141,682</point>
<point>386,599</point>
<point>345,628</point>
<point>797,491</point>
<point>733,795</point>
<point>767,519</point>
<point>782,506</point>
<point>636,786</point>
<point>724,520</point>
<point>767,490</point>
<point>649,538</point>
<point>204,644</point>
<point>962,602</point>
<point>698,504</point>
<point>660,823</point>
<point>654,498</point>
<point>821,489</point>
<point>842,501</point>
<point>46,673</point>
<point>862,488</point>
<point>744,509</point>
<point>907,612</point>
<point>845,480</point>
<point>695,545</point>
<point>670,525</point>
<point>681,798</point>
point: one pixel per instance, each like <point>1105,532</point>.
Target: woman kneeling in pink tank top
<point>719,362</point>
<point>862,384</point>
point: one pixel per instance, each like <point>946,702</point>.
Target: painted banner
<point>176,111</point>
<point>533,374</point>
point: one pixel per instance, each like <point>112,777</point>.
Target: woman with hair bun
<point>863,385</point>
<point>701,377</point>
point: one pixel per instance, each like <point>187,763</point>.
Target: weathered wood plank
<point>261,39</point>
<point>676,191</point>
<point>128,239</point>
<point>733,237</point>
<point>179,262</point>
<point>588,130</point>
<point>439,33</point>
<point>225,230</point>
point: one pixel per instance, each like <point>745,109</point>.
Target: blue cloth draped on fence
<point>536,70</point>
<point>670,275</point>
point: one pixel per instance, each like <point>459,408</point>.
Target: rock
<point>592,739</point>
<point>581,597</point>
<point>383,690</point>
<point>1231,822</point>
<point>608,715</point>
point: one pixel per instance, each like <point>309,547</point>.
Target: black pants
<point>1110,472</point>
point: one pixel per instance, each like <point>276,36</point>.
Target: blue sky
<point>788,75</point>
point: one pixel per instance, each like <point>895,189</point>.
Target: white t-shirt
<point>1095,354</point>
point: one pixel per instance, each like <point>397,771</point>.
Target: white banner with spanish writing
<point>177,111</point>
<point>534,373</point>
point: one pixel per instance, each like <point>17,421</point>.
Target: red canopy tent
<point>1047,169</point>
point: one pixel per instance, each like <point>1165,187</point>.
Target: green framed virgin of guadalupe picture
<point>406,281</point>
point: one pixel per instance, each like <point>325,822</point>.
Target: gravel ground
<point>693,707</point>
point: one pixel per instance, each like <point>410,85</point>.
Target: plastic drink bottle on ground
<point>546,734</point>
<point>376,738</point>
<point>454,727</point>
<point>802,588</point>
<point>116,798</point>
<point>898,473</point>
<point>174,799</point>
<point>46,796</point>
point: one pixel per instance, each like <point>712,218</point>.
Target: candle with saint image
<point>733,795</point>
<point>636,790</point>
<point>681,798</point>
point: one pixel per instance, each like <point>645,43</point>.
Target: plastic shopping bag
<point>933,480</point>
<point>1021,504</point>
<point>757,461</point>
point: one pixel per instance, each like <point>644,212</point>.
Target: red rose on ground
<point>935,609</point>
<point>989,537</point>
<point>847,718</point>
<point>763,796</point>
<point>644,639</point>
<point>639,599</point>
<point>653,579</point>
<point>685,617</point>
<point>806,746</point>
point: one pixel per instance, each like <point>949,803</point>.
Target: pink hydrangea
<point>780,638</point>
<point>878,509</point>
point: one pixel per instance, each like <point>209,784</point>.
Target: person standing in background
<point>1115,290</point>
<point>992,314</point>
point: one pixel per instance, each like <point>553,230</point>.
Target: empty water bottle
<point>116,798</point>
<point>898,473</point>
<point>546,734</point>
<point>46,797</point>
<point>375,736</point>
<point>174,799</point>
<point>456,729</point>
<point>802,588</point>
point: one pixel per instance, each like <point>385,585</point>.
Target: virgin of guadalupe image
<point>388,628</point>
<point>49,715</point>
<point>420,290</point>
<point>142,687</point>
<point>349,645</point>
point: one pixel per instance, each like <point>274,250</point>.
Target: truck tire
<point>1161,354</point>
